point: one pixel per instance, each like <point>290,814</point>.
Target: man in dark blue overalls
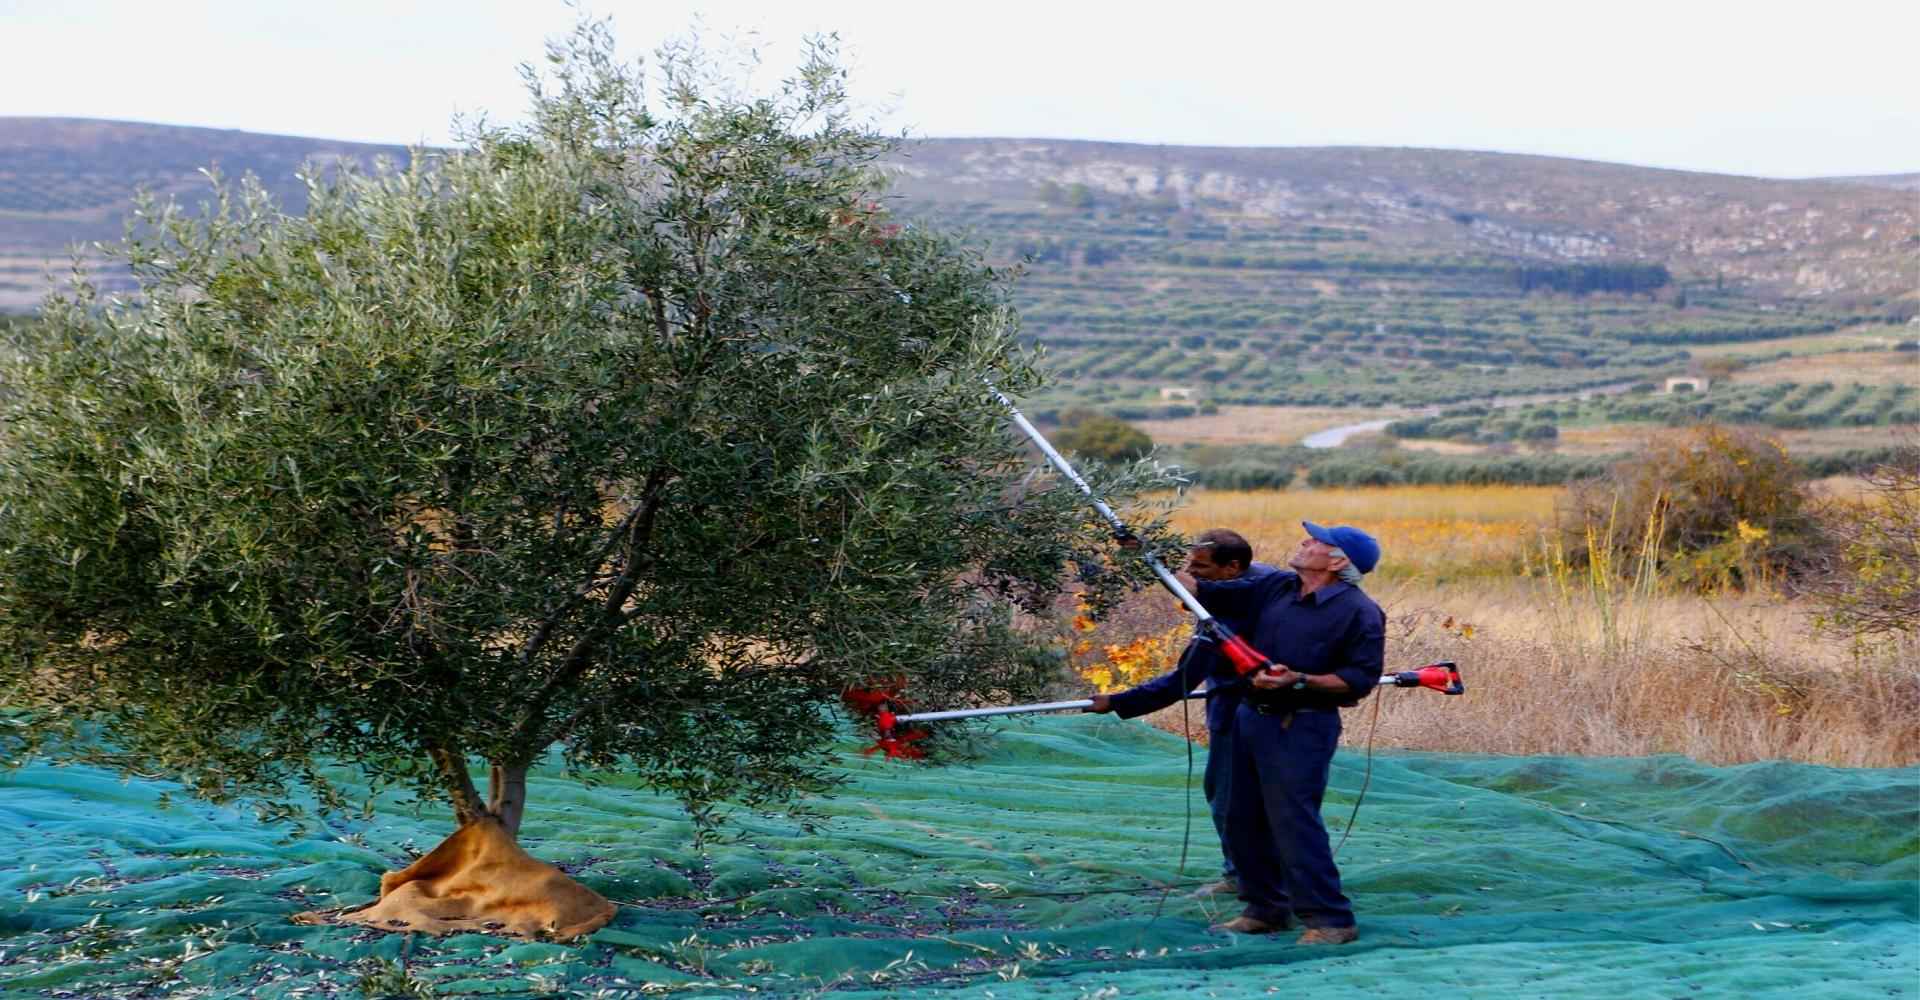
<point>1327,640</point>
<point>1216,555</point>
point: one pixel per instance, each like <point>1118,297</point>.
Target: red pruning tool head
<point>899,747</point>
<point>1441,677</point>
<point>879,702</point>
<point>870,700</point>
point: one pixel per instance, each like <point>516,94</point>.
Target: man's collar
<point>1328,592</point>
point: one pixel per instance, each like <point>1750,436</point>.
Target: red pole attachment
<point>1443,677</point>
<point>1244,657</point>
<point>879,702</point>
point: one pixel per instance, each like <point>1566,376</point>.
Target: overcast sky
<point>1767,88</point>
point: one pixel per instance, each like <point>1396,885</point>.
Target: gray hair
<point>1349,574</point>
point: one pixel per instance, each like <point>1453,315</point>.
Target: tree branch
<point>452,765</point>
<point>540,638</point>
<point>659,303</point>
<point>640,528</point>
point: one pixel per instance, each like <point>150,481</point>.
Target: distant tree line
<point>1722,333</point>
<point>1048,250</point>
<point>1353,264</point>
<point>1580,279</point>
<point>1783,405</point>
<point>1278,468</point>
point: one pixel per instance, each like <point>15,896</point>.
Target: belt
<point>1270,709</point>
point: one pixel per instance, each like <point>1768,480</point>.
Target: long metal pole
<point>1443,677</point>
<point>1120,528</point>
<point>977,713</point>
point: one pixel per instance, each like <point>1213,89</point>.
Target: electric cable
<point>1366,778</point>
<point>1186,733</point>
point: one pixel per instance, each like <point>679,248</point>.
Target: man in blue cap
<point>1327,640</point>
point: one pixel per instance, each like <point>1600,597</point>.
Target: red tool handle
<point>1239,652</point>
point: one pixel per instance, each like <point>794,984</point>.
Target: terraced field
<point>1151,317</point>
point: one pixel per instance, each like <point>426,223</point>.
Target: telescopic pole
<point>1120,529</point>
<point>1244,657</point>
<point>1442,677</point>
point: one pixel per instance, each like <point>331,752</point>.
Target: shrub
<point>1539,432</point>
<point>1871,579</point>
<point>1713,506</point>
<point>1107,438</point>
<point>1245,475</point>
<point>1353,473</point>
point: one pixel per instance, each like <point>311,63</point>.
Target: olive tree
<point>640,430</point>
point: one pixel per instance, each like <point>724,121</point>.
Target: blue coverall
<point>1224,689</point>
<point>1283,741</point>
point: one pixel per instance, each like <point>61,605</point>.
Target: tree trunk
<point>452,765</point>
<point>507,795</point>
<point>478,879</point>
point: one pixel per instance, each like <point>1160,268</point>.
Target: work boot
<point>1244,924</point>
<point>1328,935</point>
<point>1224,887</point>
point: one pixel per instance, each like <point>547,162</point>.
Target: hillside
<point>70,181</point>
<point>1162,276</point>
<point>1356,276</point>
<point>1809,238</point>
<point>1899,182</point>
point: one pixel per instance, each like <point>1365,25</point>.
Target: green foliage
<point>1367,471</point>
<point>1853,461</point>
<point>1101,436</point>
<point>1244,475</point>
<point>1711,506</point>
<point>641,431</point>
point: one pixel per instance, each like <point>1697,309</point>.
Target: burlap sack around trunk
<point>479,880</point>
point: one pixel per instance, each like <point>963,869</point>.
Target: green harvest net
<point>1473,876</point>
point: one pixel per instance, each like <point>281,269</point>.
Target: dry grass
<point>1560,663</point>
<point>1440,447</point>
<point>1612,439</point>
<point>1851,488</point>
<point>1259,424</point>
<point>1423,530</point>
<point>1719,679</point>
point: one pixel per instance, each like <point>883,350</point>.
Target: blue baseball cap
<point>1362,551</point>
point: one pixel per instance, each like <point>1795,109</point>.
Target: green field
<point>1780,405</point>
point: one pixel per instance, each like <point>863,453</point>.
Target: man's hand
<point>1279,676</point>
<point>1101,703</point>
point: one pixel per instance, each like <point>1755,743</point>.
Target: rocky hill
<point>1855,240</point>
<point>69,182</point>
<point>1852,240</point>
<point>1164,278</point>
